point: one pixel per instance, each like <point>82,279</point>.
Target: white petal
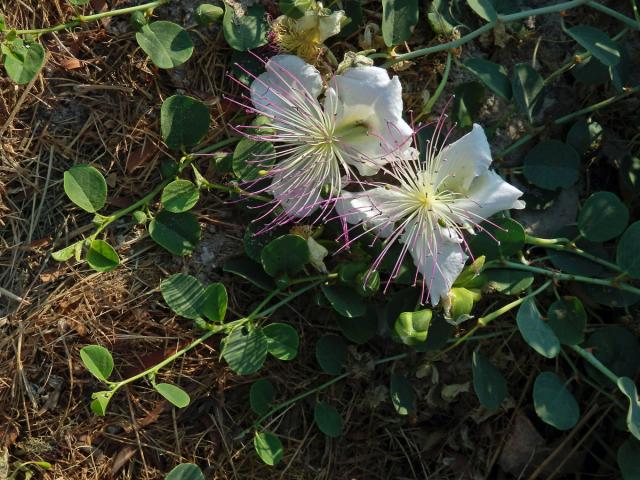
<point>287,78</point>
<point>374,208</point>
<point>439,258</point>
<point>463,160</point>
<point>487,195</point>
<point>368,97</point>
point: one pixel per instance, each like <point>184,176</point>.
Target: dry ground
<point>98,102</point>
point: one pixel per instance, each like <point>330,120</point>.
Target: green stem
<point>630,22</point>
<point>432,101</point>
<point>514,17</point>
<point>217,146</point>
<point>589,357</point>
<point>564,245</point>
<point>565,276</point>
<point>597,106</point>
<point>92,18</point>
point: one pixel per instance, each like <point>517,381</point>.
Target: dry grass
<point>98,102</point>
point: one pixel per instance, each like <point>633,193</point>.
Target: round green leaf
<point>402,395</point>
<point>245,352</point>
<point>246,32</point>
<point>250,157</point>
<point>215,302</point>
<point>295,8</point>
<point>102,257</point>
<point>508,281</point>
<point>527,86</point>
<point>552,164</point>
<point>282,340</point>
<point>603,217</point>
<point>186,471</point>
<point>177,233</point>
<point>344,300</point>
<point>484,8</point>
<point>488,383</point>
<point>185,295</point>
<point>268,447</point>
<point>286,255</point>
<point>610,296</point>
<point>22,61</point>
<point>412,327</point>
<point>591,72</point>
<point>617,348</point>
<point>86,187</point>
<point>575,264</point>
<point>184,121</point>
<point>537,333</point>
<point>173,394</point>
<point>206,14</point>
<point>100,402</point>
<point>494,76</point>
<point>399,18</point>
<point>67,252</point>
<point>502,237</point>
<point>467,102</point>
<point>331,353</point>
<point>440,331</point>
<point>568,320</point>
<point>251,271</point>
<point>626,386</point>
<point>597,43</point>
<point>629,459</point>
<point>261,396</point>
<point>167,44</point>
<point>98,361</point>
<point>180,196</point>
<point>584,136</point>
<point>328,419</point>
<point>361,329</point>
<point>627,256</point>
<point>554,404</point>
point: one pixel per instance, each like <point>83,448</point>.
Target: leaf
<point>261,396</point>
<point>484,9</point>
<point>251,271</point>
<point>286,255</point>
<point>295,8</point>
<point>98,361</point>
<point>167,44</point>
<point>245,352</point>
<point>499,238</point>
<point>597,43</point>
<point>246,32</point>
<point>250,157</point>
<point>439,17</point>
<point>488,383</point>
<point>626,386</point>
<point>508,281</point>
<point>207,14</point>
<point>535,331</point>
<point>629,459</point>
<point>268,447</point>
<point>215,302</point>
<point>185,471</point>
<point>22,61</point>
<point>584,135</point>
<point>617,348</point>
<point>361,329</point>
<point>603,217</point>
<point>328,420</point>
<point>627,256</point>
<point>282,340</point>
<point>185,295</point>
<point>399,18</point>
<point>66,253</point>
<point>86,187</point>
<point>527,86</point>
<point>344,300</point>
<point>173,394</point>
<point>100,402</point>
<point>554,404</point>
<point>494,76</point>
<point>402,395</point>
<point>180,196</point>
<point>331,353</point>
<point>569,262</point>
<point>412,327</point>
<point>184,121</point>
<point>178,233</point>
<point>102,257</point>
<point>568,320</point>
<point>552,164</point>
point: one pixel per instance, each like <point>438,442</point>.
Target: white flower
<point>431,204</point>
<point>356,126</point>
